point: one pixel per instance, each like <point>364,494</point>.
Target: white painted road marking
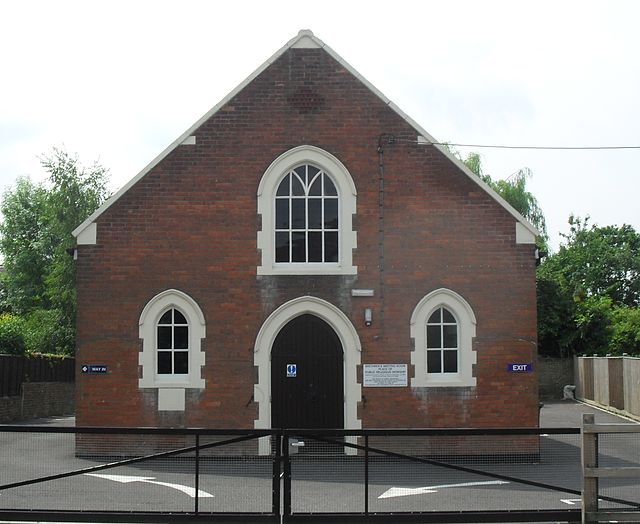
<point>571,502</point>
<point>404,492</point>
<point>125,479</point>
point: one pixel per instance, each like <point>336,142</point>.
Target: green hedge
<point>40,331</point>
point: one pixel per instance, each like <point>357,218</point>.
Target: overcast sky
<point>118,81</point>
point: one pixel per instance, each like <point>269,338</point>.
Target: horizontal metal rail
<point>432,432</point>
<point>135,431</point>
<point>109,517</point>
<point>612,516</point>
<point>570,515</point>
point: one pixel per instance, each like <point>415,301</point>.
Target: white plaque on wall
<point>384,375</point>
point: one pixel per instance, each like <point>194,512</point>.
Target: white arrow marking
<point>151,480</point>
<point>571,502</point>
<point>404,492</point>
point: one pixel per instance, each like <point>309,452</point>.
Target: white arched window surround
<point>171,387</point>
<point>466,320</point>
<point>346,189</point>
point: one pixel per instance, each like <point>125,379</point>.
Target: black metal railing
<point>460,475</point>
<point>135,475</point>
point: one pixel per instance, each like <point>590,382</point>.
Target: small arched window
<point>171,327</point>
<point>442,328</point>
<point>172,344</point>
<point>442,342</point>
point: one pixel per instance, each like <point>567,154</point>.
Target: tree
<point>514,190</point>
<point>27,246</point>
<point>556,310</point>
<point>474,163</point>
<point>603,261</point>
<point>75,193</point>
<point>35,236</point>
<point>625,337</point>
<point>589,292</point>
<point>11,334</point>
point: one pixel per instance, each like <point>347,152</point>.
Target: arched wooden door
<point>307,376</point>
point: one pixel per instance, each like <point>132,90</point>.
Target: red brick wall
<point>191,224</point>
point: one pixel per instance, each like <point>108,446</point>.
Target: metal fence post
<point>197,480</point>
<point>287,477</point>
<point>277,469</point>
<point>366,474</point>
<point>589,460</point>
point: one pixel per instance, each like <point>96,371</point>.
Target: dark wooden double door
<point>307,376</point>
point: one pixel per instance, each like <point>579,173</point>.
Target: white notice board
<point>384,375</point>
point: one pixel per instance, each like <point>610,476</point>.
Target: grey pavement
<point>568,414</point>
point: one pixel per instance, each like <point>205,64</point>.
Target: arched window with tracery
<point>307,223</point>
<point>306,202</point>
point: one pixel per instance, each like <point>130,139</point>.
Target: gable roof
<point>306,39</point>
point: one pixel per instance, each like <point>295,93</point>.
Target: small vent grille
<point>306,100</point>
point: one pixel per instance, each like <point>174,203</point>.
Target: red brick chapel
<point>306,255</point>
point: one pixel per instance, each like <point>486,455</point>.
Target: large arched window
<point>171,327</point>
<point>307,221</point>
<point>442,327</point>
<point>306,199</point>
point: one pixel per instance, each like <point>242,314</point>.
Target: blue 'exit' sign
<point>520,368</point>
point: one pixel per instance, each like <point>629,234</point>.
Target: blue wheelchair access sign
<point>292,370</point>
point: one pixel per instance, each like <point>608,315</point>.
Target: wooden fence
<point>611,382</point>
<point>593,471</point>
<point>14,370</point>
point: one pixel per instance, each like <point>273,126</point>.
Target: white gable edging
<point>306,39</point>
